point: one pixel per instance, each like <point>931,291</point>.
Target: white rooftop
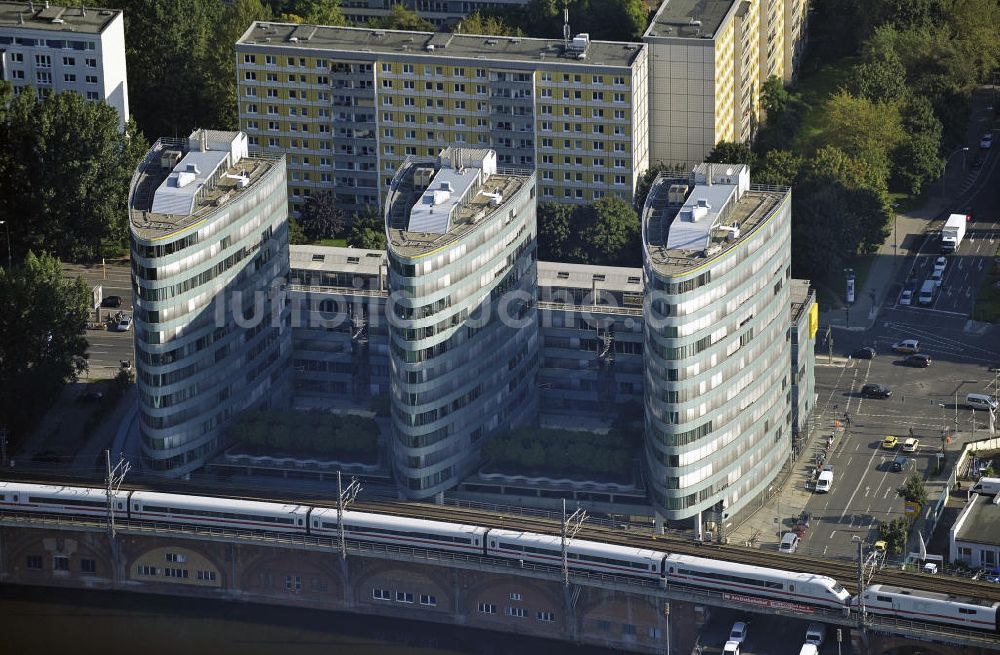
<point>210,152</point>
<point>460,171</point>
<point>717,187</point>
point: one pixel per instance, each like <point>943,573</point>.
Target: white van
<point>981,401</point>
<point>731,648</point>
<point>809,649</point>
<point>815,634</point>
<point>789,542</point>
<point>987,487</point>
<point>927,292</point>
<point>825,482</point>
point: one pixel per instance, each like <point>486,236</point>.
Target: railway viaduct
<point>371,579</point>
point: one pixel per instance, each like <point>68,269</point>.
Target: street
<point>107,348</point>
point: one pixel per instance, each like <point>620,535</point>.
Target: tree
<point>864,130</point>
<point>609,233</point>
<point>730,152</point>
<point>479,23</point>
<point>42,318</point>
<point>296,237</point>
<point>319,12</point>
<point>895,534</point>
<point>774,96</point>
<point>320,218</point>
<point>401,18</point>
<point>557,239</point>
<point>367,231</point>
<point>913,490</point>
<point>916,161</point>
<point>880,80</point>
<point>647,179</point>
<point>219,79</point>
<point>67,169</point>
<point>168,47</point>
<point>606,20</point>
<point>777,167</point>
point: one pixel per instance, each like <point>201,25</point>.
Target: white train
<point>931,607</point>
<point>583,555</point>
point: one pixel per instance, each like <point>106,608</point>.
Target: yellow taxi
<point>890,442</point>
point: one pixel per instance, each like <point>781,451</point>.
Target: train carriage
<point>581,554</point>
<point>218,512</point>
<point>929,606</point>
<point>400,531</point>
<point>745,579</point>
<point>57,499</point>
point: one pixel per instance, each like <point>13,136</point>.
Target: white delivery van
<point>825,482</point>
<point>927,291</point>
<point>987,486</point>
<point>981,401</point>
<point>809,649</point>
<point>731,648</point>
<point>815,634</point>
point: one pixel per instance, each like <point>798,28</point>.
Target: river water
<point>70,622</point>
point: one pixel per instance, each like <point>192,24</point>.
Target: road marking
<point>867,487</point>
<point>887,490</point>
<point>831,537</point>
<point>849,460</point>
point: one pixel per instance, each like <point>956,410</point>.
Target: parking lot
<point>107,346</point>
<point>766,634</point>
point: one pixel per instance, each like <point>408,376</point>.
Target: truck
<point>953,232</point>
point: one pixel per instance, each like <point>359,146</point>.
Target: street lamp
<point>944,176</point>
<point>895,239</point>
<point>9,256</point>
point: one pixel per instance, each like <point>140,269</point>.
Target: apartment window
<point>208,576</point>
<point>88,566</point>
<point>251,92</point>
<point>619,179</point>
<point>404,597</point>
<point>620,81</point>
<point>60,563</point>
<point>619,97</point>
<point>548,617</point>
<point>516,596</point>
<point>429,601</point>
<point>515,611</point>
<point>91,79</point>
<point>69,61</point>
<point>69,77</point>
<point>485,608</point>
<point>408,68</point>
<point>251,108</point>
<point>91,63</point>
<point>386,68</point>
<point>43,77</point>
<point>293,583</point>
<point>35,562</point>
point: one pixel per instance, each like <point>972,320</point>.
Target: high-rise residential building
<point>794,42</point>
<point>209,232</point>
<point>54,49</point>
<point>347,106</point>
<point>717,260</point>
<point>463,329</point>
<point>772,38</point>
<point>704,77</point>
<point>438,12</point>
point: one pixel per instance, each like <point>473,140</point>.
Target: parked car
<point>111,301</point>
<point>906,298</point>
<point>937,277</point>
<point>124,323</point>
<point>906,346</point>
<point>789,542</point>
<point>890,442</point>
<point>917,360</point>
<point>739,631</point>
<point>987,141</point>
<point>910,445</point>
<point>865,352</point>
<point>940,264</point>
<point>875,391</point>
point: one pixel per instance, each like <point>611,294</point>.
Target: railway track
<point>844,573</point>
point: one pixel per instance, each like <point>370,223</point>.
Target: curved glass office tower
<point>209,234</point>
<point>463,334</point>
<point>716,256</point>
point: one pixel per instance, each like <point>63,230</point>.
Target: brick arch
<point>550,592</point>
<point>142,548</point>
<point>278,564</point>
<point>892,646</point>
<point>401,576</point>
<point>599,606</point>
